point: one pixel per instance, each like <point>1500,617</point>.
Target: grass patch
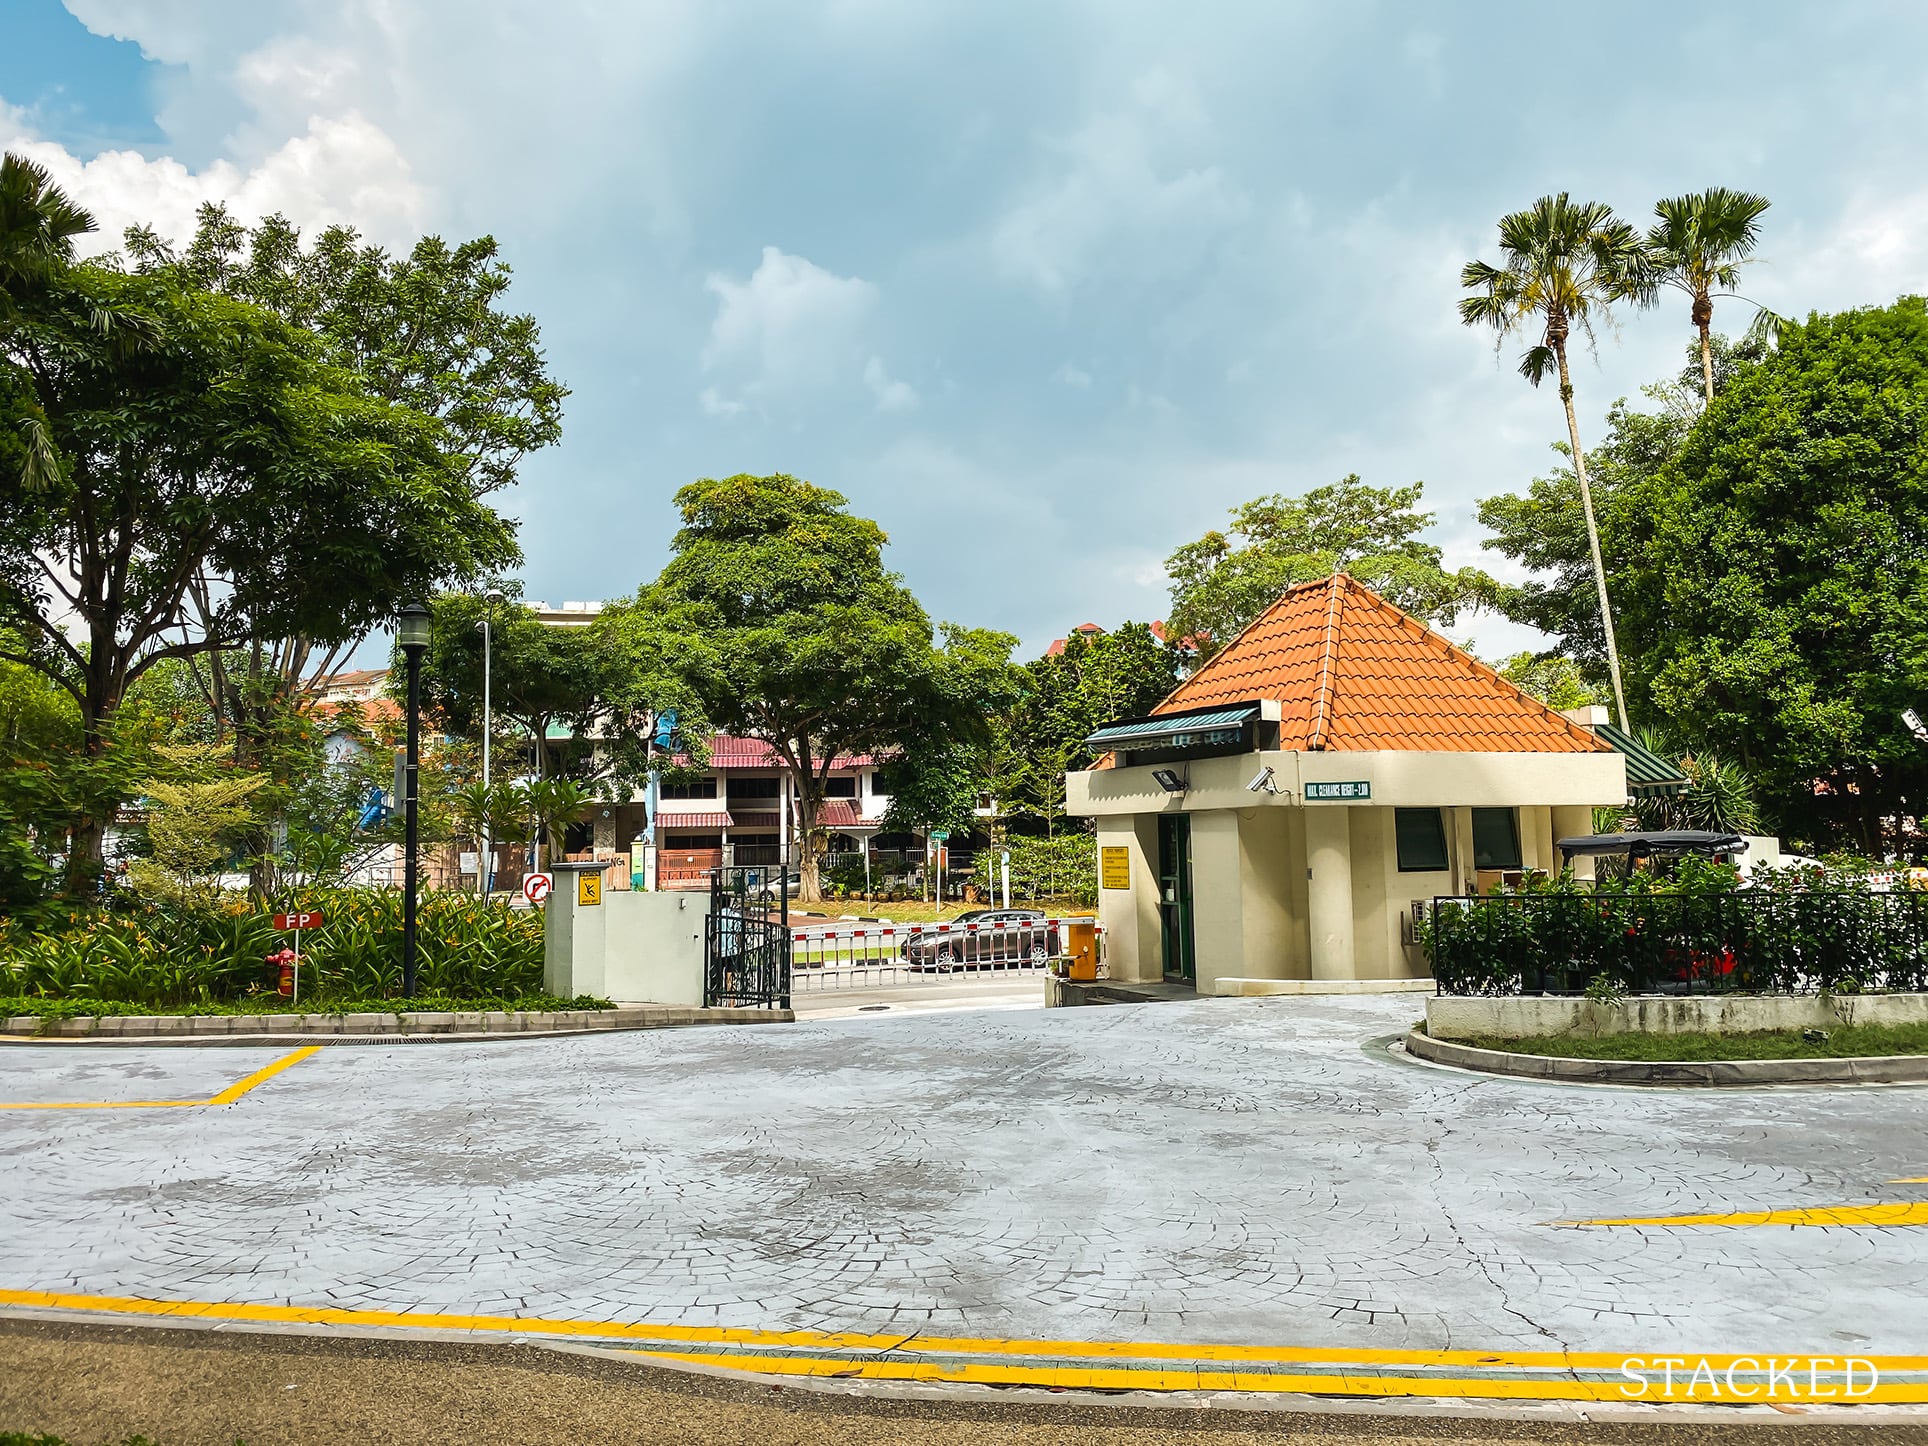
<point>70,1007</point>
<point>1842,1041</point>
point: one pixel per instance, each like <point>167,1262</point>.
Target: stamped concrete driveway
<point>1225,1174</point>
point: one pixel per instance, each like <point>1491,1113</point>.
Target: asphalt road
<point>203,1388</point>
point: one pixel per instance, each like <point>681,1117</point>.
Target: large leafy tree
<point>1778,574</point>
<point>789,628</point>
<point>1220,583</point>
<point>1562,262</point>
<point>1697,246</point>
<point>38,224</point>
<point>429,330</point>
<point>209,447</point>
<point>601,685</point>
<point>1067,697</point>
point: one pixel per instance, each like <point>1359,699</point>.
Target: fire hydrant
<point>285,960</point>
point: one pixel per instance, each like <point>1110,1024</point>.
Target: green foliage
<point>1777,572</point>
<point>192,817</point>
<point>1696,246</point>
<point>1055,868</point>
<point>602,685</point>
<point>1694,930</point>
<point>1556,681</point>
<point>1720,796</point>
<point>1061,701</point>
<point>778,614</point>
<point>1219,586</point>
<point>165,955</point>
<point>425,330</point>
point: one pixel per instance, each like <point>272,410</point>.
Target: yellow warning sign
<point>1114,868</point>
<point>588,888</point>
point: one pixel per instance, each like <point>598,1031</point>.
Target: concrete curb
<point>1872,1069</point>
<point>369,1027</point>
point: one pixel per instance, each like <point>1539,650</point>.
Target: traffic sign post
<point>535,887</point>
<point>295,923</point>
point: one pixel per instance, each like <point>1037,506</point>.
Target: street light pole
<point>485,866</point>
<point>411,633</point>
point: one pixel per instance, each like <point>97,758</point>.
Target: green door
<point>1175,895</point>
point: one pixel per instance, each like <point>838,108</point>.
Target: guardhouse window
<point>1496,838</point>
<point>840,788</point>
<point>1421,837</point>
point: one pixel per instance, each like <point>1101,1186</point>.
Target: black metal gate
<point>746,939</point>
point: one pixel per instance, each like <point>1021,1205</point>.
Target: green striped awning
<point>1648,774</point>
<point>1160,732</point>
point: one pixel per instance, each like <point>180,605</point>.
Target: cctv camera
<point>1263,783</point>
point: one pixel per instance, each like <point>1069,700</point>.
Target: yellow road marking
<point>1909,1213</point>
<point>261,1076</point>
<point>227,1096</point>
<point>1911,1180</point>
<point>864,1341</point>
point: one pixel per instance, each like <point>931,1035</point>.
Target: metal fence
<point>860,956</point>
<point>746,947</point>
<point>1779,941</point>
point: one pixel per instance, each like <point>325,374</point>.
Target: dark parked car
<point>1003,936</point>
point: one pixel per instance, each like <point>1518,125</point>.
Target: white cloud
<point>891,395</point>
<point>792,329</point>
<point>344,169</point>
<point>1126,198</point>
<point>1072,376</point>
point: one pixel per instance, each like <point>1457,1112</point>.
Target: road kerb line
<point>1555,1374</point>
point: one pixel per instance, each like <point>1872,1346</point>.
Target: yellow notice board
<point>1114,868</point>
<point>589,887</point>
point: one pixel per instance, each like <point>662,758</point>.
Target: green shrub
<point>1696,930</point>
<point>172,954</point>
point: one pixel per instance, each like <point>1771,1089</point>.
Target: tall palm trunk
<point>1593,532</point>
<point>1704,321</point>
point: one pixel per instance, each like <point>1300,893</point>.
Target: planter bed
<point>268,1028</point>
<point>1815,1069</point>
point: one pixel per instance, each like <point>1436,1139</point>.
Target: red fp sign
<point>310,919</point>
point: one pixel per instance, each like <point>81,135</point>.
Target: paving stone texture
<point>1237,1171</point>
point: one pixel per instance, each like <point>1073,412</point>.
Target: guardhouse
<point>1293,807</point>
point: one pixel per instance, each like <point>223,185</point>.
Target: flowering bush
<point>169,954</point>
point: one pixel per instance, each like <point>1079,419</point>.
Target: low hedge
<point>1696,932</point>
<point>170,956</point>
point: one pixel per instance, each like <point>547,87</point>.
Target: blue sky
<point>1046,289</point>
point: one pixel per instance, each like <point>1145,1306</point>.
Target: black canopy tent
<point>1663,844</point>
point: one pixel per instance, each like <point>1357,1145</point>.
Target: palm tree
<point>1698,246</point>
<point>1564,260</point>
<point>37,229</point>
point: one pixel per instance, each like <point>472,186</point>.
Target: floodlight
<point>1915,725</point>
<point>1166,779</point>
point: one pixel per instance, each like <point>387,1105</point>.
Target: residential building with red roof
<point>1287,810</point>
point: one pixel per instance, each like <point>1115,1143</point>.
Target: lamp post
<point>411,634</point>
<point>486,864</point>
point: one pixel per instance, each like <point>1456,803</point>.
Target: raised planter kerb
<point>1730,1073</point>
<point>279,1028</point>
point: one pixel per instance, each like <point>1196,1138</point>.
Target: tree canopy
<point>1219,585</point>
<point>790,629</point>
<point>1778,572</point>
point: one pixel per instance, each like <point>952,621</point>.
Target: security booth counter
<point>1291,809</point>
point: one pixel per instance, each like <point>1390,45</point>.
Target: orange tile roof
<point>1351,671</point>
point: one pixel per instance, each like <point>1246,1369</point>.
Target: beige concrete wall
<point>1372,918</point>
<point>653,947</point>
<point>1220,905</point>
<point>1398,778</point>
<point>1130,916</point>
<point>1457,1018</point>
<point>1265,882</point>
